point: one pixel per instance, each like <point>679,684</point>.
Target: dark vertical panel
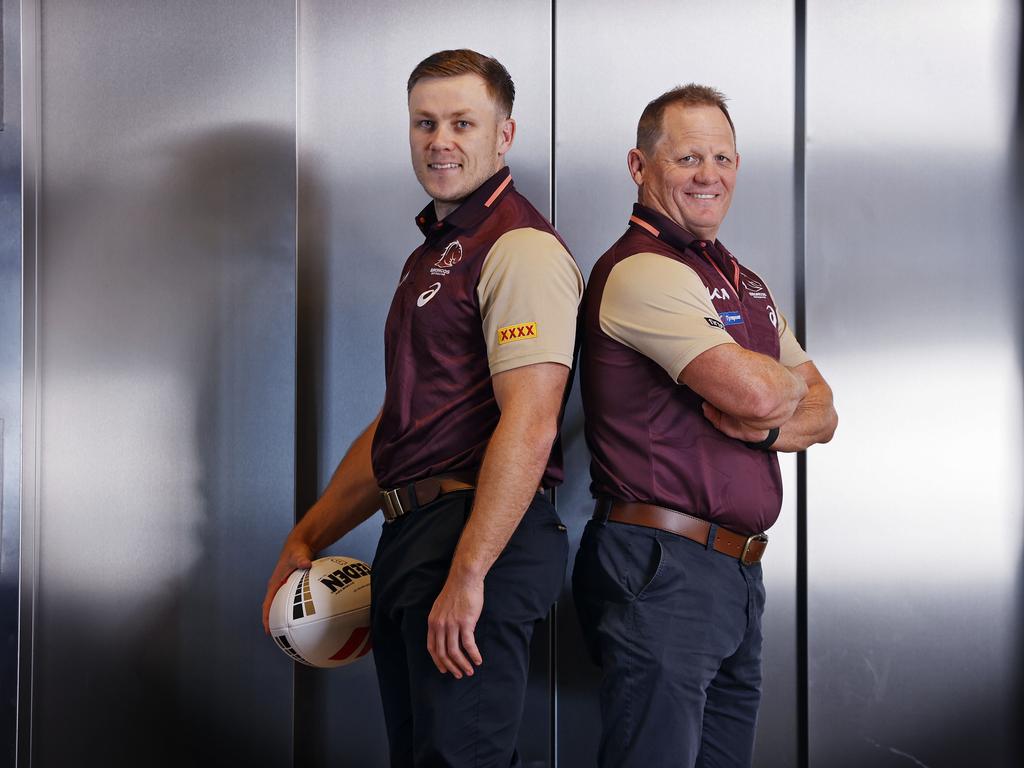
<point>800,326</point>
<point>611,62</point>
<point>357,200</point>
<point>165,381</point>
<point>913,307</point>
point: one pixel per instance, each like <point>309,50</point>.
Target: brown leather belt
<point>747,549</point>
<point>406,498</point>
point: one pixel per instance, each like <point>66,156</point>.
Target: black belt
<point>747,549</point>
<point>406,498</point>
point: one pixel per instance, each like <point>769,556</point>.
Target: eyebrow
<point>696,151</point>
<point>454,115</point>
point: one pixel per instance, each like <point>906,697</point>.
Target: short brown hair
<point>466,62</point>
<point>648,130</point>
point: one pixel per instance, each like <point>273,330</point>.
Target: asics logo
<point>428,294</point>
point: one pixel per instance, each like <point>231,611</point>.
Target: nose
<point>707,172</point>
<point>442,138</point>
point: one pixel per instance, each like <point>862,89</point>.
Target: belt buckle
<point>392,505</point>
<point>760,537</point>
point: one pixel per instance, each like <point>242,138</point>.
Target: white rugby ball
<point>321,616</point>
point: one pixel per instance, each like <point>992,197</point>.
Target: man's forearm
<point>502,496</point>
<point>350,498</point>
<point>529,399</point>
<point>748,386</point>
<point>814,421</point>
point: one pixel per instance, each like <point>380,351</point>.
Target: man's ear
<point>637,164</point>
<point>506,135</point>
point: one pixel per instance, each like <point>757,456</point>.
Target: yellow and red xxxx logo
<point>517,332</point>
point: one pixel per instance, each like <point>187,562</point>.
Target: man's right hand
<point>350,497</point>
<point>294,555</point>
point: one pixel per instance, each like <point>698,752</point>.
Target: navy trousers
<point>676,629</point>
<point>433,719</point>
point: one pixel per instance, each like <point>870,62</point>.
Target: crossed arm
<point>746,394</point>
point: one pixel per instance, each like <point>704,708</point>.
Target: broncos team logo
<point>452,255</point>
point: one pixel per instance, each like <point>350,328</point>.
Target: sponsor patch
<point>731,318</point>
<point>715,323</point>
<point>511,333</point>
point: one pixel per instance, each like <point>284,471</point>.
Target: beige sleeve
<point>529,293</point>
<point>791,354</point>
<point>660,308</point>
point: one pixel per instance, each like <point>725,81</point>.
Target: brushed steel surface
<point>357,200</point>
<point>913,286</point>
<point>160,351</point>
<point>10,371</point>
<point>29,542</point>
<point>611,60</point>
<point>166,381</point>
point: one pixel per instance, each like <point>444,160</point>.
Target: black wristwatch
<point>768,442</point>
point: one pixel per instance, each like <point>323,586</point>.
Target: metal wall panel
<point>10,369</point>
<point>166,381</point>
<point>611,59</point>
<point>913,286</point>
<point>357,200</point>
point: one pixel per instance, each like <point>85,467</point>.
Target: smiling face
<point>690,174</point>
<point>458,137</point>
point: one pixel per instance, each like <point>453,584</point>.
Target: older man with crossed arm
<point>692,381</point>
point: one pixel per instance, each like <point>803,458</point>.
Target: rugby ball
<point>321,616</point>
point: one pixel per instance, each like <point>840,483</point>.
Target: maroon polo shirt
<point>647,434</point>
<point>439,408</point>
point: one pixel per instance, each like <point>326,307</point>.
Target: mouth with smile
<point>701,196</point>
<point>443,166</point>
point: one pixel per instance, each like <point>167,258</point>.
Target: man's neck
<point>443,208</point>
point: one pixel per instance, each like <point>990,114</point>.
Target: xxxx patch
<point>519,332</point>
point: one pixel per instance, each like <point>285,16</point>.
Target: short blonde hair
<point>466,62</point>
<point>648,130</point>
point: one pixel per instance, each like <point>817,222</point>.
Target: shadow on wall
<point>338,716</point>
<point>178,340</point>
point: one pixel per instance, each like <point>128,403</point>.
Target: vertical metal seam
<point>31,160</point>
<point>295,343</point>
<point>553,614</point>
<point>551,163</point>
<point>296,681</point>
<point>800,277</point>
